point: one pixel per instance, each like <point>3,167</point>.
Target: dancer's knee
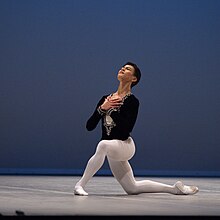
<point>131,190</point>
<point>129,187</point>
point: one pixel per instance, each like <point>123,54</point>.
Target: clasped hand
<point>111,102</point>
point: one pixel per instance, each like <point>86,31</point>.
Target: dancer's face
<point>126,74</point>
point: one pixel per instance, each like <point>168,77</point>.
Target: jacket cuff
<point>101,111</point>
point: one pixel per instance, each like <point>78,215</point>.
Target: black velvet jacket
<point>116,123</point>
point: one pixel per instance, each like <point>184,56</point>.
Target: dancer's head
<point>130,72</point>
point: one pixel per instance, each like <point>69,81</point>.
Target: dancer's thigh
<point>120,169</point>
<point>120,150</point>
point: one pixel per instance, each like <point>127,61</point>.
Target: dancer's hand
<point>111,102</point>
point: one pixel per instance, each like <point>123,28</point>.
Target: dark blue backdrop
<point>58,57</point>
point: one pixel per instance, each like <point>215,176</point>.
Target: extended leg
<point>124,174</point>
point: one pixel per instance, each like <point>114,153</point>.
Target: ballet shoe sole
<point>79,194</point>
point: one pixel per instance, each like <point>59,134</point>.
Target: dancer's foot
<point>185,190</point>
<point>79,191</point>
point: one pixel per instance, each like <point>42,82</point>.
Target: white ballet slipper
<point>185,190</point>
<point>79,191</point>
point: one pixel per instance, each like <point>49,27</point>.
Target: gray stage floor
<point>53,196</point>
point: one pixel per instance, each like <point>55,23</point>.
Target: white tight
<point>118,153</point>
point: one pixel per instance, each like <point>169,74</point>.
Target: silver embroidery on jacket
<point>108,121</point>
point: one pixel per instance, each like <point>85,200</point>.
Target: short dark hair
<point>137,72</point>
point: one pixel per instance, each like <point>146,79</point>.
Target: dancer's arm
<point>95,117</point>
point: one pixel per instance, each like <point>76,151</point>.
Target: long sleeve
<point>95,117</point>
<point>119,123</point>
<point>116,123</point>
